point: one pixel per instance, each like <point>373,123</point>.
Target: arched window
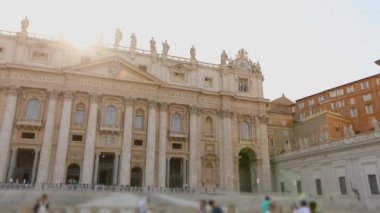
<point>209,126</point>
<point>176,122</point>
<point>79,114</point>
<point>110,115</point>
<point>139,119</point>
<point>33,110</point>
<point>244,131</point>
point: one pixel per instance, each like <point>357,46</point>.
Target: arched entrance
<point>136,177</point>
<point>247,170</point>
<point>73,173</point>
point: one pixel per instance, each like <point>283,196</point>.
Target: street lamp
<point>377,62</point>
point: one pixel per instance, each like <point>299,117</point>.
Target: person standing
<point>214,207</point>
<point>42,205</point>
<point>202,206</point>
<point>265,204</point>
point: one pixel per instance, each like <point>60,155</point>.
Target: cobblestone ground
<point>12,200</point>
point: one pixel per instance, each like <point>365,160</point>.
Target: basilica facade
<point>119,115</point>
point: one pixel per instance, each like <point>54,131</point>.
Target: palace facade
<point>119,115</point>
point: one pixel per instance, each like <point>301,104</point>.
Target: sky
<point>304,47</point>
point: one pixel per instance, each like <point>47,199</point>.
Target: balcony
<point>181,135</point>
<point>79,125</point>
<point>109,128</point>
<point>29,123</point>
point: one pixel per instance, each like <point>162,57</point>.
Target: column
<point>167,171</point>
<point>35,165</point>
<point>12,165</point>
<point>185,172</point>
<point>125,168</point>
<point>89,149</point>
<point>163,140</point>
<point>151,145</point>
<point>266,183</point>
<point>44,163</point>
<point>220,153</point>
<point>228,158</point>
<point>6,130</point>
<point>115,168</point>
<point>194,158</point>
<point>63,138</point>
<point>96,170</point>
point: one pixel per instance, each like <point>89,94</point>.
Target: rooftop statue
<point>165,48</point>
<point>153,49</point>
<point>192,53</point>
<point>133,42</point>
<point>118,37</point>
<point>24,25</point>
<point>223,58</point>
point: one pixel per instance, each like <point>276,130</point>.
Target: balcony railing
<point>109,127</point>
<point>178,134</point>
<point>31,123</point>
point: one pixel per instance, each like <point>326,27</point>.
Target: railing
<point>178,134</point>
<point>32,35</point>
<point>29,122</point>
<point>109,188</point>
<point>109,127</point>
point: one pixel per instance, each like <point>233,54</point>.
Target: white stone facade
<point>115,115</point>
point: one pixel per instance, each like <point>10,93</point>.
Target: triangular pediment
<point>115,68</point>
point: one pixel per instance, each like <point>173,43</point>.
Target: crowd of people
<point>268,206</point>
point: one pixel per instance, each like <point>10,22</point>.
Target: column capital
<point>94,97</point>
<point>164,106</point>
<point>14,149</point>
<point>13,90</point>
<point>128,101</point>
<point>226,113</point>
<point>194,109</point>
<point>152,104</point>
<point>263,119</point>
<point>53,94</point>
<point>68,94</point>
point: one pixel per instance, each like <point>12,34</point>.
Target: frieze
<point>36,77</point>
<point>105,83</point>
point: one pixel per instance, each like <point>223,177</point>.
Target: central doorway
<point>73,173</point>
<point>106,166</point>
<point>136,177</point>
<point>247,170</point>
<point>175,173</point>
<point>24,166</point>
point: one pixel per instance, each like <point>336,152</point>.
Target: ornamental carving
<point>226,114</point>
<point>114,69</point>
<point>129,101</point>
<point>243,63</point>
<point>263,118</point>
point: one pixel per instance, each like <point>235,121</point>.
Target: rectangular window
<point>208,82</point>
<point>28,135</point>
<point>339,92</point>
<point>321,98</point>
<point>301,106</point>
<point>138,142</point>
<point>282,187</point>
<point>350,89</point>
<point>378,81</point>
<point>352,101</point>
<point>77,138</point>
<point>364,85</point>
<point>333,94</point>
<point>311,102</point>
<point>369,108</point>
<point>79,117</point>
<point>319,186</point>
<point>143,68</point>
<point>302,116</point>
<point>354,113</point>
<point>243,85</point>
<point>177,146</point>
<point>299,187</point>
<point>139,122</point>
<point>367,97</point>
<point>373,184</point>
<point>343,186</point>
